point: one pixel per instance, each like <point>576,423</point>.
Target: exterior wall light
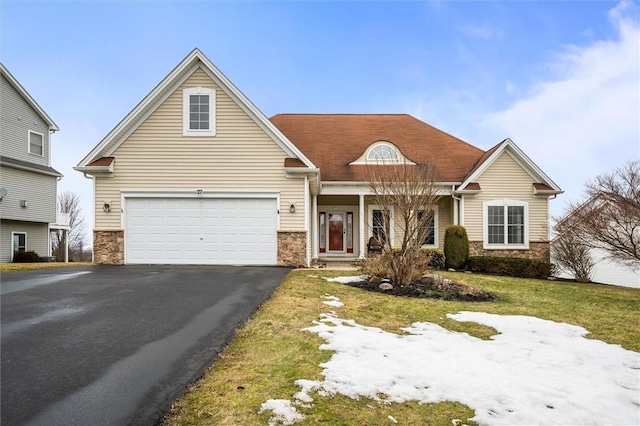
<point>106,207</point>
<point>292,208</point>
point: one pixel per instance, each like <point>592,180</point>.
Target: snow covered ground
<point>533,371</point>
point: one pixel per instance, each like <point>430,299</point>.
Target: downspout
<point>456,211</point>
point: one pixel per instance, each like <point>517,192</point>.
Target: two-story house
<point>28,183</point>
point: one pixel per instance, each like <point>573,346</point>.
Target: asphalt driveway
<point>116,345</point>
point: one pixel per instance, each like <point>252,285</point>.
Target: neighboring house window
<point>506,224</point>
<point>198,108</point>
<point>36,143</point>
<point>19,241</point>
<point>431,227</point>
<point>382,153</point>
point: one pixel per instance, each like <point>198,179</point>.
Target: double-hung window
<point>36,143</point>
<point>428,223</point>
<point>198,109</point>
<point>506,224</point>
<point>380,221</point>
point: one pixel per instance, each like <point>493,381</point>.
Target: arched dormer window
<point>382,152</point>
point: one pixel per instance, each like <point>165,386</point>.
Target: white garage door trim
<point>211,210</point>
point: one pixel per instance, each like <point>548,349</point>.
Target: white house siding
<point>37,189</point>
<point>608,272</point>
<point>37,238</point>
<point>240,157</point>
<point>17,117</point>
<point>505,179</point>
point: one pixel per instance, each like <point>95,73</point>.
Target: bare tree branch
<point>411,191</point>
<point>610,219</point>
<point>69,202</point>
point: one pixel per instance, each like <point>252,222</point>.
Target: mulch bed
<point>430,286</point>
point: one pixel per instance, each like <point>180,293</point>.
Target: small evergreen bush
<point>456,247</point>
<point>25,257</point>
<point>510,266</point>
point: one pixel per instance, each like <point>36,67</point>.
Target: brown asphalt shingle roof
<point>332,141</point>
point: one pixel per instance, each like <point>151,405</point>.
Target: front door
<point>336,232</point>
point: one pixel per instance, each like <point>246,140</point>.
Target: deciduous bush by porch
<point>510,266</point>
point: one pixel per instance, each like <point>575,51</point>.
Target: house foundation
<point>108,247</point>
<point>292,248</point>
<point>537,251</point>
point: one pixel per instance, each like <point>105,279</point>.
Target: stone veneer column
<point>108,247</point>
<point>536,251</point>
<point>292,248</point>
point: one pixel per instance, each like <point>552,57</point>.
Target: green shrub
<point>434,259</point>
<point>510,266</point>
<point>25,257</point>
<point>456,247</point>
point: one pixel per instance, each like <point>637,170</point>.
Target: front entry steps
<point>337,263</point>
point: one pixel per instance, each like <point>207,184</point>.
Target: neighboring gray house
<point>28,183</point>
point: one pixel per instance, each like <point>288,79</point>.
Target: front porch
<point>343,223</point>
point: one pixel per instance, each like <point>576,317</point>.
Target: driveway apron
<point>116,345</point>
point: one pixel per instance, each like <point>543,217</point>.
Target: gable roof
<point>27,97</point>
<point>194,61</point>
<point>544,185</point>
<point>333,141</point>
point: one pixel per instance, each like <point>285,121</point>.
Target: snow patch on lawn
<point>283,412</point>
<point>533,371</point>
<point>332,301</point>
<point>347,280</point>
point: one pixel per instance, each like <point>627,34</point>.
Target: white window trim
<point>485,225</point>
<point>186,131</point>
<point>25,242</point>
<point>435,228</point>
<point>29,143</point>
<point>370,210</point>
<point>384,161</point>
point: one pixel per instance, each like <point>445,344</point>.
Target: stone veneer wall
<point>292,248</point>
<point>108,247</point>
<point>537,251</point>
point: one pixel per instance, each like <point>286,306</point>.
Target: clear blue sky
<point>561,79</point>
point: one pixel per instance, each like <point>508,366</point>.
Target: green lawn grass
<point>270,352</point>
<point>11,267</point>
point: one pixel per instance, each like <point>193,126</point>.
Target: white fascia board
<point>16,84</point>
<point>301,170</point>
<point>93,170</point>
<point>362,188</point>
<point>519,157</point>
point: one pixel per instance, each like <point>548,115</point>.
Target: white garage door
<point>201,231</point>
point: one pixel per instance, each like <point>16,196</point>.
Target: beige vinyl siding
<point>505,179</point>
<point>240,157</point>
<point>17,117</point>
<point>37,189</point>
<point>37,238</point>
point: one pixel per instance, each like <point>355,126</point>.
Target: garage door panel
<point>192,231</point>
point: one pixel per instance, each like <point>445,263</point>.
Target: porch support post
<point>314,227</point>
<point>455,211</point>
<point>66,245</point>
<point>361,225</point>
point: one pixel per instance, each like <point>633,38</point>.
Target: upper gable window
<point>36,143</point>
<point>198,108</point>
<point>382,152</point>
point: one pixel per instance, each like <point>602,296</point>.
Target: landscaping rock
<point>375,280</point>
<point>385,286</point>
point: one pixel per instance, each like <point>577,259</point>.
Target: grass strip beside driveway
<point>270,352</point>
<point>11,267</point>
